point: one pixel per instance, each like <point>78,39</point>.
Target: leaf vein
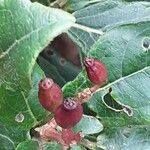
<point>7,139</point>
<point>122,78</point>
<point>3,54</point>
<point>28,107</point>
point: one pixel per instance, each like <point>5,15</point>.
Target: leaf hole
<point>146,43</point>
<point>49,52</point>
<point>19,118</point>
<point>126,133</point>
<point>110,89</point>
<point>115,105</point>
<point>34,133</point>
<point>62,61</point>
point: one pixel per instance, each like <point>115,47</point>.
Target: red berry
<point>96,71</point>
<point>50,94</point>
<point>68,114</point>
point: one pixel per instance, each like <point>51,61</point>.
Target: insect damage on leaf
<point>19,117</point>
<point>116,106</point>
<point>146,43</point>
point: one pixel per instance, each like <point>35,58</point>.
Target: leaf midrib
<point>122,78</point>
<point>3,54</point>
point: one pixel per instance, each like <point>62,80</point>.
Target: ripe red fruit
<point>50,94</point>
<point>68,114</point>
<point>96,71</point>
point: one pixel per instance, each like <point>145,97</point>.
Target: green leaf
<point>74,5</point>
<point>136,0</point>
<point>36,145</point>
<point>52,146</point>
<point>128,63</point>
<point>51,71</point>
<point>88,125</point>
<point>44,2</point>
<point>110,13</point>
<point>58,71</point>
<point>126,139</point>
<point>77,147</point>
<point>124,49</point>
<point>10,137</point>
<point>103,16</point>
<point>29,144</point>
<point>25,29</point>
<point>78,84</point>
<point>38,112</point>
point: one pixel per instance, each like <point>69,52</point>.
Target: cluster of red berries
<point>68,112</point>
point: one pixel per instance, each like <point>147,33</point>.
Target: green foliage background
<point>26,28</point>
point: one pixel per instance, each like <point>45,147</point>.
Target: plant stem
<point>90,145</point>
<point>85,95</point>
